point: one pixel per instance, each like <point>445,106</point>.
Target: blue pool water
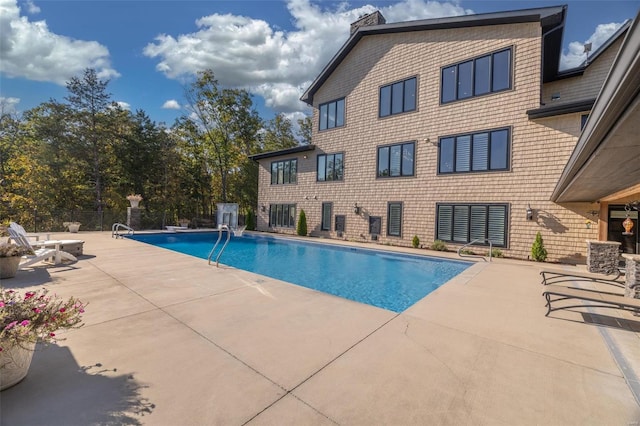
<point>380,278</point>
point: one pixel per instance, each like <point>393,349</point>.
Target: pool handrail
<point>220,229</point>
<point>117,226</point>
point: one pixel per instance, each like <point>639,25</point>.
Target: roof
<point>551,19</point>
<point>605,159</point>
<point>279,153</point>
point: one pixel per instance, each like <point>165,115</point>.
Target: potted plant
<point>26,319</point>
<point>134,199</point>
<point>10,255</point>
<point>184,222</point>
<point>72,226</point>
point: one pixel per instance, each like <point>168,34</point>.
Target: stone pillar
<point>632,275</point>
<point>133,218</point>
<point>602,256</point>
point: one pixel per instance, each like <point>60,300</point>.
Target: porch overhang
<point>606,159</point>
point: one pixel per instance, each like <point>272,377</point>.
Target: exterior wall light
<point>356,209</point>
<point>263,208</point>
<point>529,213</point>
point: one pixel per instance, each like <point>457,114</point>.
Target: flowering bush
<point>35,316</point>
<point>134,197</point>
<point>10,250</point>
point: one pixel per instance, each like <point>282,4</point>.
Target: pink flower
<point>24,323</point>
<point>11,325</point>
<point>37,310</point>
<point>62,309</point>
<point>52,334</point>
<point>29,295</point>
<point>1,304</point>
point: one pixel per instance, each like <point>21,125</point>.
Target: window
<point>476,152</point>
<point>476,77</point>
<point>282,215</point>
<point>463,223</point>
<point>398,97</point>
<point>332,114</point>
<point>330,167</point>
<point>396,160</point>
<point>375,225</point>
<point>284,172</point>
<point>341,221</point>
<point>394,219</point>
<point>326,217</point>
<point>583,120</point>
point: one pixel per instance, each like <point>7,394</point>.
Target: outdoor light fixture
<point>628,223</point>
<point>529,212</point>
<point>263,208</point>
<point>356,209</point>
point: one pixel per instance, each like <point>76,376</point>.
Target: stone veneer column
<point>602,256</point>
<point>133,218</point>
<point>632,276</point>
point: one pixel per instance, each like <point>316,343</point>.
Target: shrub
<point>467,251</point>
<point>251,221</point>
<point>496,252</point>
<point>538,252</point>
<point>439,245</point>
<point>415,242</point>
<point>302,224</point>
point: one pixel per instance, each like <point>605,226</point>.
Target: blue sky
<point>149,49</point>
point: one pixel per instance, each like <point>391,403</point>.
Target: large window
<point>474,152</point>
<point>476,77</point>
<point>396,160</point>
<point>284,172</point>
<point>330,167</point>
<point>394,219</point>
<point>398,97</point>
<point>282,215</point>
<point>332,114</point>
<point>464,223</point>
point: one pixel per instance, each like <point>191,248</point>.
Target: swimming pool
<point>380,278</point>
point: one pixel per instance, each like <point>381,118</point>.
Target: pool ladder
<point>220,229</point>
<point>118,226</point>
<point>476,255</point>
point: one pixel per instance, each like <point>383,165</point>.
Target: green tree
<point>302,224</point>
<point>279,134</point>
<point>538,252</point>
<point>304,132</point>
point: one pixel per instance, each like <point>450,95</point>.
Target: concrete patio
<point>170,340</point>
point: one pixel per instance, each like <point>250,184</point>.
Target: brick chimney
<point>374,18</point>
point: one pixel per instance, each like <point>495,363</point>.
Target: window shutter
<point>478,223</point>
<point>497,225</point>
<point>445,214</point>
<point>480,151</point>
<point>395,219</point>
<point>463,153</point>
<point>461,224</point>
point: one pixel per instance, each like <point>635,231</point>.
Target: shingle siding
<point>539,148</point>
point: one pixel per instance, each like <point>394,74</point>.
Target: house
<point>465,130</point>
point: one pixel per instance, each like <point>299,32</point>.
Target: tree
<point>302,224</point>
<point>538,252</point>
<point>304,132</point>
<point>279,134</point>
<point>89,101</point>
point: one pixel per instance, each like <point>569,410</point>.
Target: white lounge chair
<point>43,250</point>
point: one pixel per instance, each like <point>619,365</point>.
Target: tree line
<point>86,154</point>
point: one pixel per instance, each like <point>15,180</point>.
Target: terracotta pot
<point>9,266</point>
<point>14,364</point>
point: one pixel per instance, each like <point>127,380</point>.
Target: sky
<point>150,50</point>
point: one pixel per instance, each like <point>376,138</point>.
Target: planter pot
<point>74,227</point>
<point>14,364</point>
<point>9,266</point>
<point>134,203</point>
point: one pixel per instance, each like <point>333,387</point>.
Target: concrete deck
<point>170,340</point>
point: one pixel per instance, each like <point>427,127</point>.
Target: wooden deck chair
<point>49,252</point>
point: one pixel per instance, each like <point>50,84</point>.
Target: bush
<point>538,252</point>
<point>415,242</point>
<point>302,224</point>
<point>496,253</point>
<point>439,245</point>
<point>467,251</point>
<point>250,221</point>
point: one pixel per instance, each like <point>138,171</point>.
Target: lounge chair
<point>43,251</point>
<point>74,247</point>
<point>600,299</point>
<point>552,277</point>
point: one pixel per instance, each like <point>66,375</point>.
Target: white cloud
<point>32,9</point>
<point>8,105</point>
<point>575,56</point>
<point>30,50</point>
<point>171,104</point>
<point>277,65</point>
<point>124,105</point>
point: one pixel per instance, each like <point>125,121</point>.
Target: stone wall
<point>602,256</point>
<point>632,286</point>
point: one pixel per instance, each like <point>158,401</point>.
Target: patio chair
<point>42,251</point>
<point>599,299</point>
<point>552,277</point>
<point>74,247</point>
